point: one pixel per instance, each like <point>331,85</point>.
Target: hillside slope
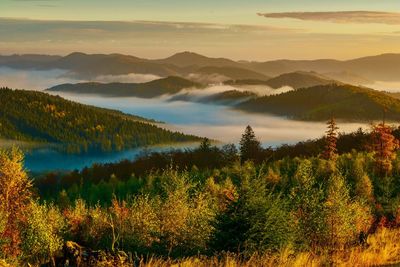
<point>345,102</point>
<point>36,116</point>
<point>299,79</point>
<point>188,59</point>
<point>88,65</point>
<point>296,80</point>
<point>169,85</point>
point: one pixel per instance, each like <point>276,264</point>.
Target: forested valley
<point>331,201</point>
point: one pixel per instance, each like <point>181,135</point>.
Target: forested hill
<point>169,85</point>
<point>36,116</point>
<point>296,80</point>
<point>318,103</point>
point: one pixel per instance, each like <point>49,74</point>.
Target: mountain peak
<point>187,58</point>
<point>186,55</point>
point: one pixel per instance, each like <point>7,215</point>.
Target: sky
<point>241,30</point>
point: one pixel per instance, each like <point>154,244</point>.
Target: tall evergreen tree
<point>330,151</point>
<point>205,145</point>
<point>250,147</point>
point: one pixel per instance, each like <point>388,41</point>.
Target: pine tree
<point>205,145</point>
<point>384,144</point>
<point>250,147</point>
<point>331,140</point>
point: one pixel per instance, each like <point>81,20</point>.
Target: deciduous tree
<point>15,197</point>
<point>384,144</point>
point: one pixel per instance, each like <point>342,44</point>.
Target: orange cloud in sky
<point>390,18</point>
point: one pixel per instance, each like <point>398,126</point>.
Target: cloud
<point>127,78</point>
<point>32,79</point>
<point>390,18</point>
<point>158,39</point>
<point>139,27</point>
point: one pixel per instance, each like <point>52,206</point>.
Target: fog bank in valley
<point>43,79</point>
<point>33,79</point>
<point>127,78</point>
<point>213,121</point>
<point>392,87</point>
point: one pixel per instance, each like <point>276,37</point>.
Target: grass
<point>382,248</point>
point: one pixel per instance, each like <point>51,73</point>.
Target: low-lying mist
<point>33,79</point>
<point>43,79</point>
<point>392,87</point>
<point>127,78</point>
<point>259,90</point>
<point>214,121</point>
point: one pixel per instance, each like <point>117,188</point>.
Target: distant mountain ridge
<point>385,67</point>
<point>187,59</point>
<point>164,86</point>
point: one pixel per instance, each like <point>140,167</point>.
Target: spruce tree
<point>330,151</point>
<point>250,147</point>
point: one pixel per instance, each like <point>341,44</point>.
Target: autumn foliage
<point>384,144</point>
<point>324,210</point>
<point>15,196</point>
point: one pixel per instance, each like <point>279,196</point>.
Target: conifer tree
<point>330,151</point>
<point>250,147</point>
<point>205,145</point>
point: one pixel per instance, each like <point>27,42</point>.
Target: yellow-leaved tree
<point>15,197</point>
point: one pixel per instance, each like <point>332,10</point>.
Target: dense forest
<point>338,205</point>
<point>296,80</point>
<point>36,116</point>
<point>318,103</point>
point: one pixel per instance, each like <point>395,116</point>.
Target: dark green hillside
<point>230,97</point>
<point>299,79</point>
<point>36,116</point>
<point>317,103</point>
<point>169,85</point>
